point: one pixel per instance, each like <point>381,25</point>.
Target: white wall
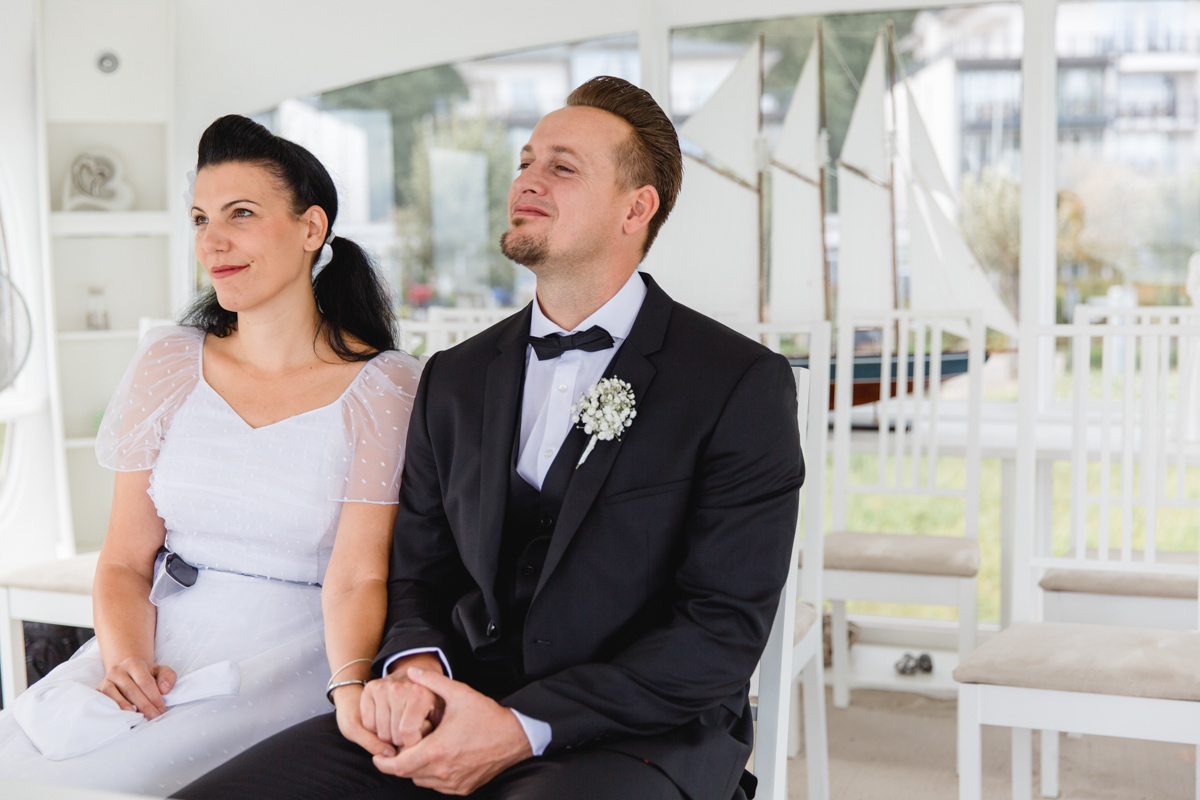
<point>31,512</point>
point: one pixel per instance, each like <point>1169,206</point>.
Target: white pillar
<point>654,47</point>
<point>1039,137</point>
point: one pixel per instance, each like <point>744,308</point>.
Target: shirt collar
<point>616,316</point>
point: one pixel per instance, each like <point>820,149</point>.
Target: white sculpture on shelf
<point>95,184</point>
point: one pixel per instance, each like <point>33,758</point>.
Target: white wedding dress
<point>257,509</point>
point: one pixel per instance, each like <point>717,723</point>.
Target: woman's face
<point>251,244</point>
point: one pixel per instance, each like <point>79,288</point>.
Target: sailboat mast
<point>821,132</point>
<point>891,157</point>
<point>763,309</point>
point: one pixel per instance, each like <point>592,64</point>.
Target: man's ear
<point>317,228</point>
<point>643,206</point>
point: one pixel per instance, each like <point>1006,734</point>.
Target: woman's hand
<point>349,720</point>
<point>138,685</point>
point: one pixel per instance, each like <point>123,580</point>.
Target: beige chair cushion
<point>1095,659</point>
<point>68,575</point>
<point>1125,584</point>
<point>955,556</point>
<point>806,617</point>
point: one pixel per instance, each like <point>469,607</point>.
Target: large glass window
<point>1128,152</point>
<point>959,71</point>
<point>423,162</point>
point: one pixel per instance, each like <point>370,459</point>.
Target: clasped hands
<point>440,733</point>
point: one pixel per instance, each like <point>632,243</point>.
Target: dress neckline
<point>204,382</point>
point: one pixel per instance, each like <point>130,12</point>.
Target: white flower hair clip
<point>325,256</point>
<point>605,411</point>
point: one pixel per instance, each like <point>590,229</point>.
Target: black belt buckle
<point>171,575</point>
<point>183,573</point>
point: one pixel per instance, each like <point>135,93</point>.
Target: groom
<point>567,622</point>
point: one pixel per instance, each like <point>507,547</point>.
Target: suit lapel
<point>501,410</point>
<point>631,366</point>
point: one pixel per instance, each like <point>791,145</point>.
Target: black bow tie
<point>552,346</point>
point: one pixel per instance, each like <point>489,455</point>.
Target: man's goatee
<point>526,251</point>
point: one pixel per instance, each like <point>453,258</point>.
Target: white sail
<point>865,278</point>
<point>726,127</point>
<point>799,147</point>
<point>865,269</point>
<point>945,273</point>
<point>921,153</point>
<point>797,285</point>
<point>706,255</point>
<point>865,147</point>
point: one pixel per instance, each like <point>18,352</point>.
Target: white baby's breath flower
<point>604,412</point>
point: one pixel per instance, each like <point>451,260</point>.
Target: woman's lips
<point>225,270</point>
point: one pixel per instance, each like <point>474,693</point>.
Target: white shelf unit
<point>128,113</point>
<point>110,223</point>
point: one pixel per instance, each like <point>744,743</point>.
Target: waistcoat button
<point>547,521</point>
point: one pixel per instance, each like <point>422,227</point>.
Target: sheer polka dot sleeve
<point>161,376</point>
<point>377,410</point>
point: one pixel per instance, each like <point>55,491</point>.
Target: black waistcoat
<point>530,517</point>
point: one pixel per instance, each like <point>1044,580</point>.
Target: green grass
<point>1178,529</point>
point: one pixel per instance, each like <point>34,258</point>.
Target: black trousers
<point>313,761</point>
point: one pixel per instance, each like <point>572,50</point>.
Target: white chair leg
<point>793,749</point>
<point>967,617</point>
<point>840,635</point>
<point>1022,764</point>
<point>816,742</point>
<point>970,744</point>
<point>12,653</point>
<point>1050,764</point>
<point>1198,773</point>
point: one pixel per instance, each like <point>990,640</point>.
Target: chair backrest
<point>445,327</point>
<point>903,376</point>
<point>775,667</point>
<point>813,359</point>
<point>1130,442</point>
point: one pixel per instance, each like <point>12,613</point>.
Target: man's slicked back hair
<point>650,156</point>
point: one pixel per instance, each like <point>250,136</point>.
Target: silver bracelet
<point>340,684</point>
<point>343,666</point>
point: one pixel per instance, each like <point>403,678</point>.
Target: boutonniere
<point>604,412</point>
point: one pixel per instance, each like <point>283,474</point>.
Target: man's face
<point>566,206</point>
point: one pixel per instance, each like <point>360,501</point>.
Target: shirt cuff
<point>387,665</point>
<point>538,732</point>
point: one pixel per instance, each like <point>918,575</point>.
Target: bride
<point>258,451</point>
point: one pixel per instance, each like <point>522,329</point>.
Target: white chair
<point>1099,591</point>
<point>795,644</point>
<point>1138,681</point>
<point>55,592</point>
<point>913,420</point>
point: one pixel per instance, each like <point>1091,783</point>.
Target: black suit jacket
<point>665,567</point>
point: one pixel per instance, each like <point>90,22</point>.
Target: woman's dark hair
<point>350,296</point>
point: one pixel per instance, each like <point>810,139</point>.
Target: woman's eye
<point>199,220</point>
<point>242,212</point>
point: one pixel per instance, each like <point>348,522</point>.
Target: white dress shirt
<point>552,386</point>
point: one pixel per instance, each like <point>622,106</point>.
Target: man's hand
<point>138,685</point>
<point>476,740</point>
<point>399,711</point>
